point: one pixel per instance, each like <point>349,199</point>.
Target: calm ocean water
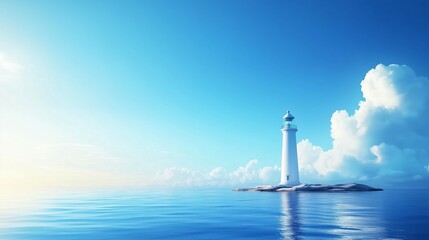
<point>216,214</point>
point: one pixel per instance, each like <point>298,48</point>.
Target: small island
<point>289,179</point>
<point>350,187</point>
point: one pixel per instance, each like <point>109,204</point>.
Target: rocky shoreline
<point>350,187</point>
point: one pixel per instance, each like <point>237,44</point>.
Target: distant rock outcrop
<point>350,187</point>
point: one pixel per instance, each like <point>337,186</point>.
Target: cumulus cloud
<point>385,138</point>
<point>250,173</point>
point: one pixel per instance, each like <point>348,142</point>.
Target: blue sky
<point>134,87</point>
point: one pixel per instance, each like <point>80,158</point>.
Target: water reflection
<point>216,214</point>
<point>357,218</point>
<point>290,220</point>
<point>331,215</point>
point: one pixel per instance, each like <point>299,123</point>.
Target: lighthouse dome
<point>288,117</point>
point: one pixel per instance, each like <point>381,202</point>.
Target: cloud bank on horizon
<point>384,140</point>
<point>249,173</point>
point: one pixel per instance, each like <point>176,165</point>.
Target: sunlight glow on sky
<point>135,93</point>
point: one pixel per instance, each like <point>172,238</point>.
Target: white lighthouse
<point>290,174</point>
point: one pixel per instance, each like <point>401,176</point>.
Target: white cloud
<point>386,137</point>
<point>247,174</point>
<point>269,174</point>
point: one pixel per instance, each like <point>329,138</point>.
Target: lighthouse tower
<point>290,174</point>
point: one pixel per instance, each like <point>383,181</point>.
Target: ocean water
<point>215,214</point>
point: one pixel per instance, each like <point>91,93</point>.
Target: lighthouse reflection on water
<point>290,222</point>
<point>332,215</point>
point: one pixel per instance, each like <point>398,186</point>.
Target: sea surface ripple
<point>215,214</point>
